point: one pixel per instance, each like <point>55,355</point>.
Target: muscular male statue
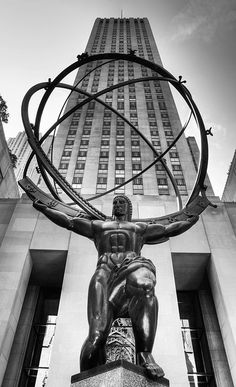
<point>123,283</point>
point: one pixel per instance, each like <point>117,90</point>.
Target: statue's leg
<point>100,320</point>
<point>143,311</point>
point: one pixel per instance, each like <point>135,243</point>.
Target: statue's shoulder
<point>141,226</point>
<point>102,224</point>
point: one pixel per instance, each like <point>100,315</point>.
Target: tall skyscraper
<point>46,269</point>
<point>95,149</point>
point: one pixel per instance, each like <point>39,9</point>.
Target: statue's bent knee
<point>141,282</point>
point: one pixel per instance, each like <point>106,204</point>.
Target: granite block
<point>119,373</point>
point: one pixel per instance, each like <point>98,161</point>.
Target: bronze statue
<point>123,283</point>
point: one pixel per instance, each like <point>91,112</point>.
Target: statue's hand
<point>39,206</point>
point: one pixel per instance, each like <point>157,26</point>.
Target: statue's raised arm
<point>157,233</point>
<point>77,224</point>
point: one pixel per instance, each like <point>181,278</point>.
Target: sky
<point>195,38</point>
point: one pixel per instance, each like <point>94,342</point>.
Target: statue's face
<point>120,206</point>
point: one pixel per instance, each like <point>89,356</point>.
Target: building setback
<point>229,193</point>
<point>46,269</point>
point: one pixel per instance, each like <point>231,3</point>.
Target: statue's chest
<point>119,237</point>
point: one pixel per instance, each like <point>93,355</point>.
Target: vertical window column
<point>40,343</point>
<point>104,150</point>
<point>120,155</point>
<point>198,361</point>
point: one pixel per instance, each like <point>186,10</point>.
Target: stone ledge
<point>119,373</point>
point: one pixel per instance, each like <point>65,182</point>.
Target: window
<point>156,143</point>
<point>84,142</point>
<point>101,180</point>
<point>69,142</point>
<point>131,88</point>
<point>162,182</point>
<point>176,167</point>
<point>120,142</point>
<point>154,132</point>
<point>107,123</point>
<point>103,166</point>
<point>86,132</point>
<point>105,142</point>
<point>120,154</point>
<point>104,154</point>
<point>132,105</point>
<point>40,343</point>
<point>119,180</point>
<point>80,165</point>
<point>120,123</point>
<point>180,181</point>
<point>66,153</point>
<point>162,105</point>
<point>82,153</point>
<point>106,132</point>
<point>168,133</point>
<point>136,154</point>
<point>91,105</point>
<point>166,124</point>
<point>77,180</point>
<point>159,167</point>
<point>149,105</point>
<point>164,115</point>
<point>63,165</point>
<point>153,123</point>
<point>196,350</point>
<point>169,143</point>
<point>87,123</point>
<point>120,105</point>
<point>136,166</point>
<point>138,181</point>
<point>120,166</point>
<point>72,132</point>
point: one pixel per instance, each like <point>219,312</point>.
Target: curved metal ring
<point>165,76</point>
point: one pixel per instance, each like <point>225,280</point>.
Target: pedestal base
<point>119,373</point>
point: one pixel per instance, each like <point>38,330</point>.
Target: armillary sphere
<point>197,200</point>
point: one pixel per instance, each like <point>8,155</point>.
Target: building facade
<point>229,193</point>
<point>46,269</point>
<point>8,186</point>
<point>20,147</point>
<point>96,136</point>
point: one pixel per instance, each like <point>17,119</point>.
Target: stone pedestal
<point>119,373</point>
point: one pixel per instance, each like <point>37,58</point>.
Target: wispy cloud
<point>203,19</point>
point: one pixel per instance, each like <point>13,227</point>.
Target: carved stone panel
<point>120,343</point>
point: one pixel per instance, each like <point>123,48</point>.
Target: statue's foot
<point>153,370</point>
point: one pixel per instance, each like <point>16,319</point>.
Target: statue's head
<point>122,206</point>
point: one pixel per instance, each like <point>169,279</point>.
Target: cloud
<point>204,19</point>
